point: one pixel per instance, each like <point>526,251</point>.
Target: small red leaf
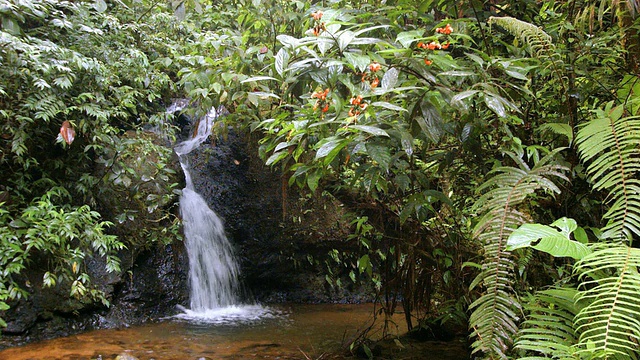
<point>67,132</point>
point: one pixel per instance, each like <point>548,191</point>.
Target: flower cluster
<point>372,77</point>
<point>357,106</point>
<point>445,30</point>
<point>322,100</point>
<point>319,26</point>
<point>436,45</point>
<point>433,46</point>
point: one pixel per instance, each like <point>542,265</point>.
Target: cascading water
<point>213,271</point>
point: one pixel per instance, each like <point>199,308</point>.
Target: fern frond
<point>609,144</point>
<point>610,324</point>
<point>540,43</point>
<point>495,313</point>
<point>548,331</point>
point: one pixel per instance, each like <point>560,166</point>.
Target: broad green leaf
<point>11,26</point>
<point>380,154</point>
<point>407,142</point>
<point>328,147</point>
<point>288,41</point>
<point>390,79</point>
<point>344,39</point>
<point>457,99</point>
<point>389,106</point>
<point>313,179</point>
<point>475,58</point>
<point>548,239</point>
<point>566,225</point>
<point>495,104</point>
<point>405,38</point>
<point>364,264</point>
<point>370,129</point>
<point>257,78</point>
<point>281,61</point>
<point>180,12</point>
<point>457,73</point>
<point>276,157</point>
<point>359,62</point>
<point>516,74</point>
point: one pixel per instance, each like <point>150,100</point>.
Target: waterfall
<point>213,271</point>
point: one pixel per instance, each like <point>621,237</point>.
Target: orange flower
<point>434,46</point>
<point>421,45</point>
<point>325,108</point>
<point>322,95</point>
<point>375,82</point>
<point>427,61</point>
<point>374,67</point>
<point>318,29</point>
<point>317,15</point>
<point>446,30</point>
<point>446,46</point>
<point>356,100</point>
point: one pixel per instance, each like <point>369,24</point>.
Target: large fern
<point>540,44</point>
<point>549,330</point>
<point>495,312</point>
<point>609,144</point>
<point>609,326</point>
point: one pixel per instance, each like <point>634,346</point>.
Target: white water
<point>213,271</point>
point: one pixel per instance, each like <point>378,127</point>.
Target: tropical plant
<point>76,76</point>
<point>495,313</point>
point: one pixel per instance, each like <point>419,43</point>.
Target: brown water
<point>299,332</point>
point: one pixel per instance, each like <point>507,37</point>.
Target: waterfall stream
<point>213,271</point>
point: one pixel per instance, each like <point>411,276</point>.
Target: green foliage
<point>89,69</point>
<point>495,312</point>
<point>554,240</point>
<point>65,235</point>
<point>609,324</point>
<point>404,120</point>
<point>608,143</point>
<point>549,328</point>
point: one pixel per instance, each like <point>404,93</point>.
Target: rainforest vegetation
<point>487,151</point>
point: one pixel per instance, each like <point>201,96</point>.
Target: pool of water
<point>281,332</point>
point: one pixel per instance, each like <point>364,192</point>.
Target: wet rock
<point>281,236</point>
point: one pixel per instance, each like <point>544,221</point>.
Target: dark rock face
<point>278,243</point>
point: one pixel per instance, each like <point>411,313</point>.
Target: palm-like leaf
<point>610,324</point>
<point>609,144</point>
<point>494,313</point>
<point>549,331</point>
